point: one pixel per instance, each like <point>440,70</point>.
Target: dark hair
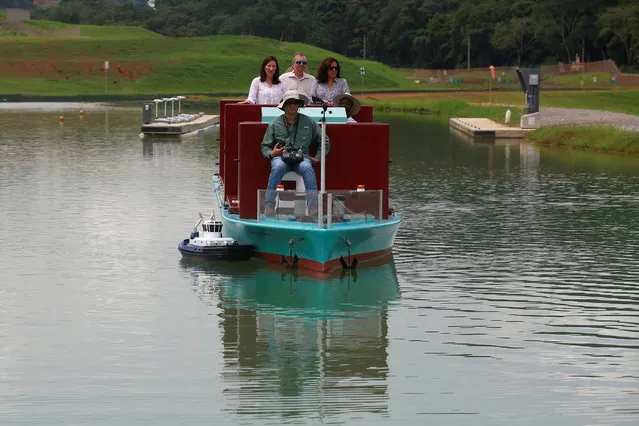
<point>276,76</point>
<point>322,70</point>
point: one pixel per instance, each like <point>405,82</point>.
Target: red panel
<point>253,170</point>
<point>233,115</point>
<point>223,103</point>
<point>365,114</point>
<point>228,137</point>
<point>358,156</point>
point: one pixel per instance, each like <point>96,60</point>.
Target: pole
<point>364,48</point>
<point>320,201</point>
<point>106,73</point>
<point>363,68</point>
<point>323,151</point>
<point>490,83</point>
<point>468,53</point>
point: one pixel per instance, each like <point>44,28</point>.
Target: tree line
<point>402,33</point>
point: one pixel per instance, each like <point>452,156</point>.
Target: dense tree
<point>415,33</point>
<point>520,32</point>
<point>621,25</point>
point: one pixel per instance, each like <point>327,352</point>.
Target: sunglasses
<point>333,68</point>
<point>301,62</point>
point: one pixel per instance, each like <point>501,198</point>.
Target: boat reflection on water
<point>294,345</point>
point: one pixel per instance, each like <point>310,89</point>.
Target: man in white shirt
<point>298,79</point>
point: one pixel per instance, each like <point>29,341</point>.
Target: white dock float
<point>200,123</point>
<point>486,128</point>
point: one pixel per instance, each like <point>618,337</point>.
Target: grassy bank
<point>69,61</point>
<point>475,104</point>
<point>145,63</point>
<point>626,101</point>
<point>599,139</point>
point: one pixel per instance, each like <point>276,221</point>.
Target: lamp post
<point>179,98</point>
<point>165,100</point>
<point>157,102</point>
<point>172,106</point>
<point>362,71</point>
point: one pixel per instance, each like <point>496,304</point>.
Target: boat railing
<point>337,206</point>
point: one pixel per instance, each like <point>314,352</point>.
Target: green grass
<point>147,64</point>
<point>48,25</point>
<point>507,80</point>
<point>621,100</point>
<point>445,108</point>
<point>12,33</point>
<point>213,65</point>
<point>600,139</point>
<point>586,80</point>
<point>97,31</point>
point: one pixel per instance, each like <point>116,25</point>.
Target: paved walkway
<point>586,117</point>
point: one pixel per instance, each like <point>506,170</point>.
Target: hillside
<point>55,59</point>
<point>141,62</point>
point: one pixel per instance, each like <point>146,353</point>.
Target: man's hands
<point>277,150</point>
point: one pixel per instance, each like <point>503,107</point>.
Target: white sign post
<point>106,72</point>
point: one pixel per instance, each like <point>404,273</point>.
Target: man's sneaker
<point>269,210</point>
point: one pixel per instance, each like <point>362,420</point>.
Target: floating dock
<point>485,128</point>
<point>173,129</point>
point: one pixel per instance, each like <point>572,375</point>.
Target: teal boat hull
<point>314,248</point>
<point>306,245</point>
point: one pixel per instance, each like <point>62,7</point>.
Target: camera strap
<point>288,131</point>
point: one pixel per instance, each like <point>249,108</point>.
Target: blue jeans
<point>303,168</point>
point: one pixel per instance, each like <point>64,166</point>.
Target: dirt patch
<point>75,69</point>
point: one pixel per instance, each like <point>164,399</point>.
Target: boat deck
<point>200,123</point>
<point>484,127</point>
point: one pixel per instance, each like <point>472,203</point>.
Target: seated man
<point>292,132</point>
<point>350,103</point>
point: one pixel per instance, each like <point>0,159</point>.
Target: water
<point>513,297</point>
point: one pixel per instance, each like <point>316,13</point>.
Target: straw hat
<point>354,110</point>
<point>293,95</point>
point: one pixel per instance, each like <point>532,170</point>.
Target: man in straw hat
<point>292,132</point>
<point>349,103</point>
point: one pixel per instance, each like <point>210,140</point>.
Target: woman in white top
<point>267,88</point>
<point>328,83</point>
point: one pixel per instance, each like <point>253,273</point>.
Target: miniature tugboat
<point>209,244</point>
